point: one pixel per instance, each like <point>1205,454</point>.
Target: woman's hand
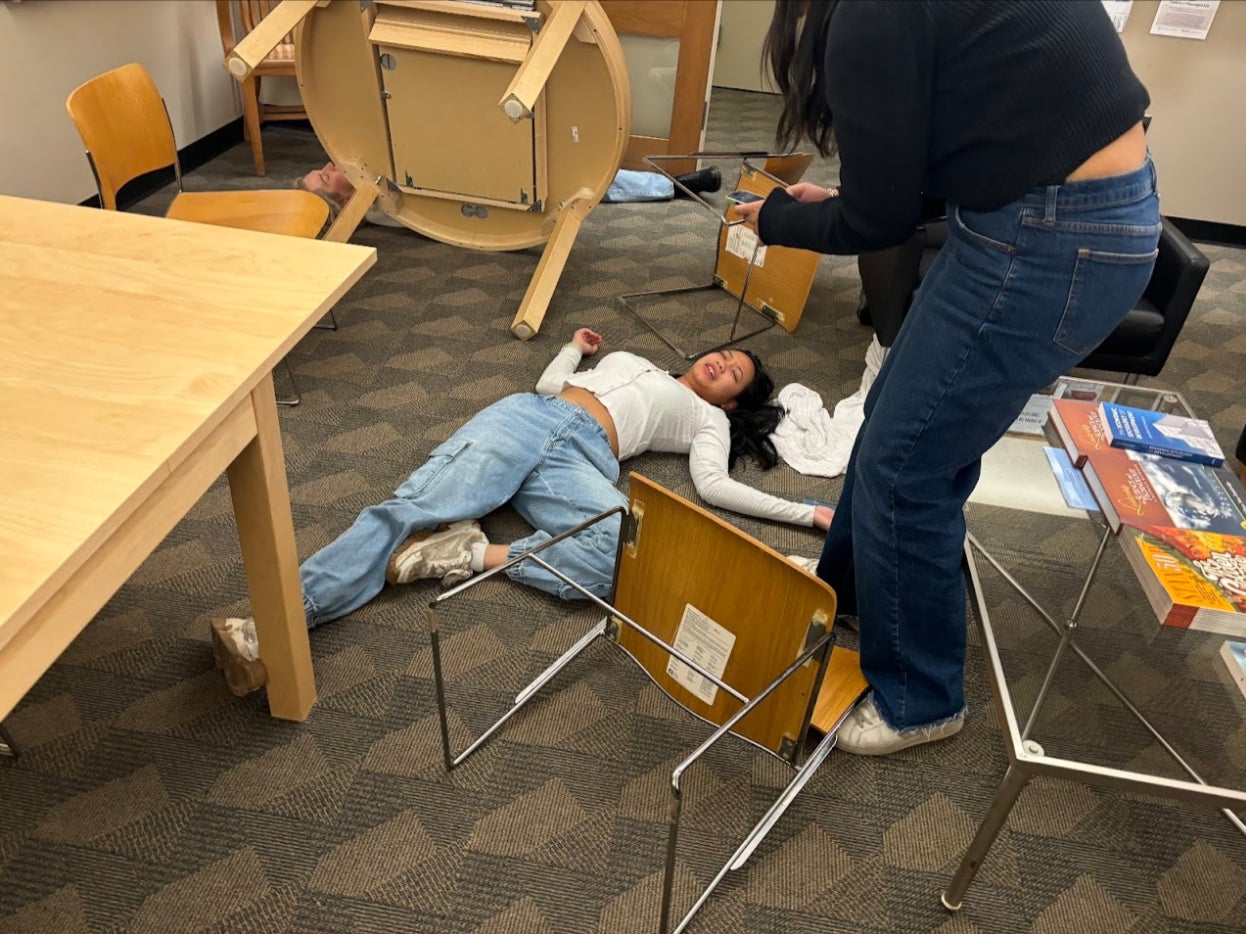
<point>822,516</point>
<point>749,212</point>
<point>808,192</point>
<point>586,341</point>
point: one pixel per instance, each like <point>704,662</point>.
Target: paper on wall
<point>1185,19</point>
<point>1118,12</point>
<point>706,643</point>
<point>741,242</point>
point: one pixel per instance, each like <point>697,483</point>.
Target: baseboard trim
<point>1211,231</point>
<point>191,157</point>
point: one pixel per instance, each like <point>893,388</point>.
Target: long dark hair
<point>754,418</point>
<point>795,54</point>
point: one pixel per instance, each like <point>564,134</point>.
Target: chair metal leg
<point>7,746</point>
<point>296,396</point>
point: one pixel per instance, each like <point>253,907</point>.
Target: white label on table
<point>1185,19</point>
<point>741,242</point>
<point>706,643</point>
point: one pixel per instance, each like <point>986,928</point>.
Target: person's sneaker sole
<point>243,676</point>
<point>915,737</point>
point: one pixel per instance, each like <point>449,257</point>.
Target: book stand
<point>437,111</point>
<point>773,283</point>
<point>781,673</point>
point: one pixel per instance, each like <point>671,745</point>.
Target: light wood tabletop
<point>136,358</point>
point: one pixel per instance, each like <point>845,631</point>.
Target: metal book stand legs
<point>1027,758</point>
<point>608,628</point>
<point>716,284</point>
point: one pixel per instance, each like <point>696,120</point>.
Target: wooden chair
<point>278,62</point>
<point>125,128</point>
<point>690,586</point>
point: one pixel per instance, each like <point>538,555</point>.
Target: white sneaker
<point>237,652</point>
<point>445,552</point>
<point>866,733</point>
<point>809,564</point>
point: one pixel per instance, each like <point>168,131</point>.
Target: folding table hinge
<point>817,629</point>
<point>533,23</point>
<point>787,749</point>
<point>629,530</point>
<point>772,313</point>
<point>613,627</point>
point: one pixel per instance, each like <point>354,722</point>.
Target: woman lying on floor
<point>553,455</point>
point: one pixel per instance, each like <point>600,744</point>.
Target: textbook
<point>1176,436</point>
<point>1192,579</point>
<point>1234,655</point>
<point>1078,426</point>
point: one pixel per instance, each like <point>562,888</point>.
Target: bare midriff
<point>1122,155</point>
<point>580,396</point>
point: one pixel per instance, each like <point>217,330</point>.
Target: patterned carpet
<point>148,799</point>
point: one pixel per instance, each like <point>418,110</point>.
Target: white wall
<point>49,47</point>
<point>744,25</point>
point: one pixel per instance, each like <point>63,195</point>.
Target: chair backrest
<point>741,592</point>
<point>249,14</point>
<point>124,127</point>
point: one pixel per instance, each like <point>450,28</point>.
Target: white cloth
<point>653,411</point>
<point>811,440</point>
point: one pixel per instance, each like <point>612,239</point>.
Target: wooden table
<point>136,358</point>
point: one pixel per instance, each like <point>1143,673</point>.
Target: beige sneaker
<point>866,733</point>
<point>237,653</point>
<point>808,564</point>
<point>445,553</point>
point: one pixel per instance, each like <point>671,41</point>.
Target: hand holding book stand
<point>437,111</point>
<point>772,283</point>
<point>768,622</point>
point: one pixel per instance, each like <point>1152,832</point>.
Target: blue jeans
<point>1016,298</point>
<point>547,457</point>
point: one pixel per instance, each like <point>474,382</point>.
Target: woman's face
<point>329,181</point>
<point>720,376</point>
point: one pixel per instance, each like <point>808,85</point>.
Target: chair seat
<point>293,213</point>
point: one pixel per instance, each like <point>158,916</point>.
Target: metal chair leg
<point>7,746</point>
<point>297,396</point>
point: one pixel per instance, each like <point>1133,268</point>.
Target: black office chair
<point>1138,347</point>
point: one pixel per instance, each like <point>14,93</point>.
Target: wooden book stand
<point>729,628</point>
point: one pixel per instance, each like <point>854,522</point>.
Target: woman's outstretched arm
<point>583,343</point>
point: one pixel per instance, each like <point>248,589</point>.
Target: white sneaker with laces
<point>445,552</point>
<point>866,733</point>
<point>808,564</point>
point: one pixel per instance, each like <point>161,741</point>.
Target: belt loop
<point>1049,211</point>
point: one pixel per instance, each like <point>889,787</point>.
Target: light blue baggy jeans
<point>547,457</point>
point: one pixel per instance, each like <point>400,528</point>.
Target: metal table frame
<point>1027,758</point>
<point>805,765</point>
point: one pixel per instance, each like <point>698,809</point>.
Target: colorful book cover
<point>1234,655</point>
<point>1077,423</point>
<point>1193,579</point>
<point>1163,433</point>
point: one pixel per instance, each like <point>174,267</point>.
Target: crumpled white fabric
<point>811,440</point>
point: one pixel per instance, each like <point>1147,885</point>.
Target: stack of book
<point>1181,519</point>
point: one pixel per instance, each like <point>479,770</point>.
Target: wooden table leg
<point>553,259</point>
<point>257,483</point>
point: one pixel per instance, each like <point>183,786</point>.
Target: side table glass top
<point>1175,678</point>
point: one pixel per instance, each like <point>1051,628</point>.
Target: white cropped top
<point>653,411</point>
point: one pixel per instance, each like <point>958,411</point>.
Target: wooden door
<point>694,23</point>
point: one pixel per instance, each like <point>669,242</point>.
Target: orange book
<point>1192,579</point>
<point>1079,428</point>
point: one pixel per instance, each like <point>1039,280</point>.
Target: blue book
<point>1176,436</point>
<point>1072,482</point>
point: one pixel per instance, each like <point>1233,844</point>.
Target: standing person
<point>554,455</point>
<point>1026,117</point>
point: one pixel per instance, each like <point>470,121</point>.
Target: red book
<point>1079,427</point>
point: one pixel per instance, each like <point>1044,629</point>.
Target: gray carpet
<point>148,799</point>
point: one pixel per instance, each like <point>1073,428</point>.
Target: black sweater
<point>975,101</point>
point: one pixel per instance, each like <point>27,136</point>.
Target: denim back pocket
<point>1105,287</point>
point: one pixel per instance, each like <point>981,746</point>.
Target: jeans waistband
<point>1094,192</point>
<point>583,416</point>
